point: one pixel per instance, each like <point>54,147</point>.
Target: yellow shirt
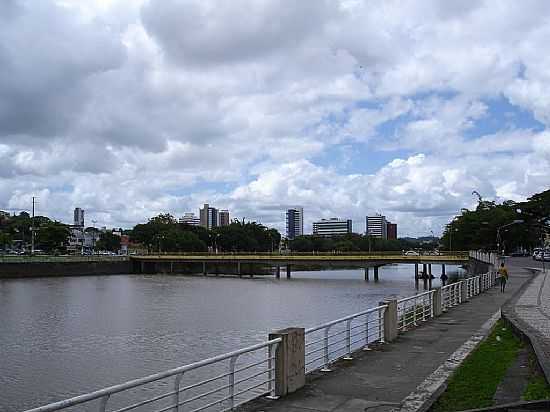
<point>503,272</point>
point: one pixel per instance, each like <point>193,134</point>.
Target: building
<point>294,222</point>
<point>208,216</point>
<point>79,217</point>
<point>332,227</point>
<point>376,226</point>
<point>190,219</point>
<point>391,231</point>
<point>223,218</point>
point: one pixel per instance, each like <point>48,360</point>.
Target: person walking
<point>503,276</point>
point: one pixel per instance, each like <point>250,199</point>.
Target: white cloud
<point>131,108</point>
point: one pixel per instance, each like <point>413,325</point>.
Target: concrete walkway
<point>381,379</point>
<point>530,312</point>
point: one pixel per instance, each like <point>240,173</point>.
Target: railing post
<point>290,360</point>
<point>390,319</point>
<point>270,383</point>
<point>437,304</point>
<point>348,340</point>
<point>231,399</point>
<point>381,325</point>
<point>366,347</point>
<point>325,350</point>
<point>177,392</point>
<point>464,291</point>
<point>103,403</point>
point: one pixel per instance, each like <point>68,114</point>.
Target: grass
<point>475,382</point>
<point>537,387</point>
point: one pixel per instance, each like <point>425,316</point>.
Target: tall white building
<point>79,217</point>
<point>332,227</point>
<point>190,219</point>
<point>208,216</point>
<point>294,222</point>
<point>377,226</point>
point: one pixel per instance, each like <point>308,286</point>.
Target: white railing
<point>225,382</point>
<point>413,309</point>
<point>451,295</point>
<point>489,257</point>
<point>337,339</point>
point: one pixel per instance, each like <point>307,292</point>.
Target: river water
<point>60,337</point>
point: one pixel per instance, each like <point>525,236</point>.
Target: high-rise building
<point>376,226</point>
<point>208,216</point>
<point>294,222</point>
<point>391,230</point>
<point>190,219</point>
<point>332,227</point>
<point>223,218</point>
<point>79,217</point>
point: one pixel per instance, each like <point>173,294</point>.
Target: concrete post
<point>278,272</point>
<point>239,268</point>
<point>172,266</point>
<point>204,268</point>
<point>376,273</point>
<point>390,319</point>
<point>437,302</point>
<point>443,269</point>
<point>416,276</point>
<point>288,271</point>
<point>430,276</point>
<point>290,360</point>
<point>367,274</point>
<point>463,291</point>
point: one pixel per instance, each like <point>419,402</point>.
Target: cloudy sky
<point>131,108</point>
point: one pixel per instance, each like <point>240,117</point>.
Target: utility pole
<point>32,227</point>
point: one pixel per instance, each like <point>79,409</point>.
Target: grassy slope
<point>475,382</point>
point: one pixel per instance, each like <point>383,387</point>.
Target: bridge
<point>231,263</point>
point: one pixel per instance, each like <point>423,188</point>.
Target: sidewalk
<point>530,312</point>
<point>379,380</point>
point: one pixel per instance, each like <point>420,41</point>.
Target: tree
<point>108,241</point>
<point>52,236</point>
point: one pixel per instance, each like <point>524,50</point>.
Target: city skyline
<point>346,108</point>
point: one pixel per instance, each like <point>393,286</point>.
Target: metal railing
<point>413,309</point>
<point>486,257</point>
<point>59,259</point>
<point>225,386</point>
<point>450,295</point>
<point>337,339</point>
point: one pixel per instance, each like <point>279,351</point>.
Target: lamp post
<point>514,222</point>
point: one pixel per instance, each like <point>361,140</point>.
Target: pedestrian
<point>444,279</point>
<point>503,276</point>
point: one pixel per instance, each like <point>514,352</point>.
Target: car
<point>411,253</point>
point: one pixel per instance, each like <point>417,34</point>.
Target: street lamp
<point>514,222</point>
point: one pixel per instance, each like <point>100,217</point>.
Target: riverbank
<point>58,268</point>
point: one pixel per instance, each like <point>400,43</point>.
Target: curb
<point>527,332</point>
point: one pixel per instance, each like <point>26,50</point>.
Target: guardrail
<point>339,338</point>
<point>413,309</point>
<point>60,259</point>
<point>230,394</point>
<point>226,381</point>
<point>334,253</point>
<point>486,257</point>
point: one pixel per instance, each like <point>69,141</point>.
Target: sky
<point>131,108</point>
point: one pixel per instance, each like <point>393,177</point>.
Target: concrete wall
<point>38,269</point>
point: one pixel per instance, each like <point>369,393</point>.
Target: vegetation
<point>475,382</point>
<point>108,241</point>
<point>478,229</point>
<point>537,387</point>
<point>357,243</point>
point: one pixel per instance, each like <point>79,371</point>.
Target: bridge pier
<point>278,272</point>
<point>204,269</point>
<point>416,280</point>
<point>376,274</point>
<point>430,276</point>
<point>171,266</point>
<point>367,274</point>
<point>425,275</point>
<point>239,269</point>
<point>288,271</point>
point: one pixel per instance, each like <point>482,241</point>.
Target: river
<point>64,336</point>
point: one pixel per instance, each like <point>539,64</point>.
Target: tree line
<point>508,226</point>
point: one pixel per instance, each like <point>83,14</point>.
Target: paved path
<point>379,380</point>
<point>531,311</point>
